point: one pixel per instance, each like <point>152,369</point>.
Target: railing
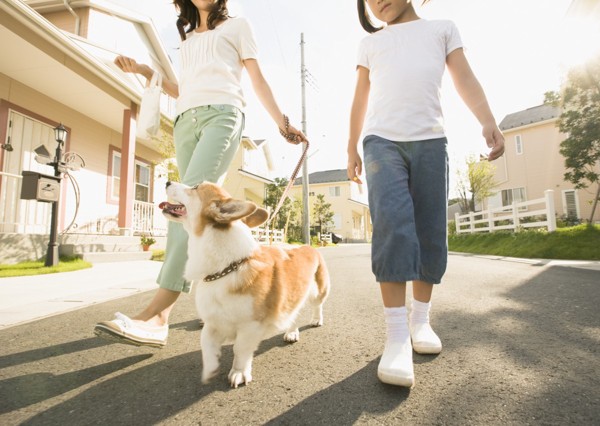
<point>108,225</point>
<point>510,217</point>
<point>147,219</point>
<point>268,236</point>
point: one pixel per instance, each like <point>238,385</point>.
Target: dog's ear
<point>258,217</point>
<point>230,210</point>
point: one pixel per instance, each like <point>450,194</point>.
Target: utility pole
<point>305,206</point>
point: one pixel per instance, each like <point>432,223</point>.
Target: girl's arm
<point>357,119</point>
<point>265,96</point>
<point>130,65</point>
<point>473,96</point>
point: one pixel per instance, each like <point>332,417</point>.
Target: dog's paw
<point>292,336</point>
<point>207,375</point>
<point>316,322</point>
<point>237,377</point>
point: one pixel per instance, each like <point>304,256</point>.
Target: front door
<point>24,135</point>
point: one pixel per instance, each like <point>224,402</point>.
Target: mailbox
<point>37,186</point>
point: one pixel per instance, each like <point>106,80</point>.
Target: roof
<point>326,176</point>
<point>71,70</point>
<point>530,116</point>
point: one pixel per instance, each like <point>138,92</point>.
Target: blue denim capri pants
<point>206,140</point>
<point>408,196</point>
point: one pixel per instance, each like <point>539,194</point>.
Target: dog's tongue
<point>175,209</point>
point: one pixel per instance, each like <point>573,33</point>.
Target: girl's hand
<point>354,166</point>
<point>495,140</point>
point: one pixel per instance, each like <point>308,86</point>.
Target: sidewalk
<point>25,299</point>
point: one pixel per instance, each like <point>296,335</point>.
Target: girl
<point>400,68</point>
<point>207,132</point>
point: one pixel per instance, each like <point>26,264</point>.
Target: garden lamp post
<point>60,135</point>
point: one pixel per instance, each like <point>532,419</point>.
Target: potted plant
<point>146,241</point>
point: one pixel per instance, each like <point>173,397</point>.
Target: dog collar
<point>233,266</point>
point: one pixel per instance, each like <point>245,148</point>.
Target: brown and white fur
<point>262,297</point>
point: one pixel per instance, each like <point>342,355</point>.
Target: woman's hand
<point>127,64</point>
<point>292,135</point>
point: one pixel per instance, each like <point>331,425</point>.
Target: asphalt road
<point>521,346</point>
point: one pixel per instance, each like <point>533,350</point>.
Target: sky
<point>518,50</point>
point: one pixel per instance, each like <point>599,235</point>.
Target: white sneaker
<point>396,365</point>
<point>125,330</point>
<point>424,339</point>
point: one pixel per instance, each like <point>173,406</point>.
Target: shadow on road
<point>29,389</point>
<point>344,402</point>
<point>50,351</point>
<point>527,352</point>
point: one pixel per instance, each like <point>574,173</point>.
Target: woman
<point>207,131</point>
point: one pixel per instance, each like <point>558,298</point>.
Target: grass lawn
<point>38,268</point>
<point>580,242</point>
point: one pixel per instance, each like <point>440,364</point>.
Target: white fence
<point>268,236</point>
<point>510,217</point>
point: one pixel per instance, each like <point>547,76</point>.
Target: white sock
<point>419,313</point>
<point>396,320</point>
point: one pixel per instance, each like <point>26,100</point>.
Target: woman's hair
<point>190,16</point>
<point>365,19</point>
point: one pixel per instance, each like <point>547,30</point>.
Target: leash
<point>293,139</point>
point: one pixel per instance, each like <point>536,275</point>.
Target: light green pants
<point>206,139</point>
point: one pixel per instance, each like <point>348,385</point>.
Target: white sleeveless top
<point>211,65</point>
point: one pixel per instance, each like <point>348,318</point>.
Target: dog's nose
<point>168,184</point>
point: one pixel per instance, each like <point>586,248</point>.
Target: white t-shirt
<point>211,65</point>
<point>406,63</point>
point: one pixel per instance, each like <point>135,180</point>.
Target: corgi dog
<point>245,291</point>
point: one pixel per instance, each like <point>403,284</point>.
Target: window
<point>519,144</point>
<point>142,178</point>
<point>514,194</point>
<point>142,181</point>
<point>570,206</point>
<point>334,191</point>
<point>115,178</point>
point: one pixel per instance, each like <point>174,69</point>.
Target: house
<point>532,164</point>
<point>352,218</point>
<point>248,175</point>
<point>57,68</point>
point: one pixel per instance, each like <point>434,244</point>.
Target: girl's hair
<point>190,16</point>
<point>365,19</point>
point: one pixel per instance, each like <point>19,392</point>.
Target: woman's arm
<point>265,96</point>
<point>130,65</point>
<point>472,94</point>
<point>357,119</point>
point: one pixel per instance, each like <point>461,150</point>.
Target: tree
<point>274,192</point>
<point>580,121</point>
<point>166,149</point>
<point>322,213</point>
<point>293,228</point>
<point>475,184</point>
<point>552,98</point>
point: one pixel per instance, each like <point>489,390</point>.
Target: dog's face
<point>208,204</point>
